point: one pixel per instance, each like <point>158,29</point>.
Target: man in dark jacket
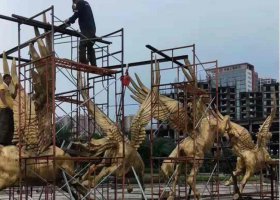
<point>82,10</point>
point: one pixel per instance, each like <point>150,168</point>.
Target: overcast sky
<point>229,31</point>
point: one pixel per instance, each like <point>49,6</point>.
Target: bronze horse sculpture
<point>201,137</point>
<point>33,123</point>
<point>114,144</point>
<point>251,157</point>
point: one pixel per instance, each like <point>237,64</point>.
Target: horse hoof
<point>236,196</point>
<point>129,189</point>
<point>85,183</point>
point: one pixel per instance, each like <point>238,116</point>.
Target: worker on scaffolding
<point>6,111</point>
<point>82,10</point>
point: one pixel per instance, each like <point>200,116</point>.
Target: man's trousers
<point>6,126</point>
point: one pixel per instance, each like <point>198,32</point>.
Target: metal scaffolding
<point>66,69</point>
<point>184,92</point>
<point>66,100</point>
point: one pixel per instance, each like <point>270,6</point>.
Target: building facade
<point>227,97</point>
<point>242,76</point>
<point>251,106</point>
<point>263,81</point>
<point>270,91</point>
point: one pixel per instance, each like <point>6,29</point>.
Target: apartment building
<point>270,91</point>
<point>241,76</point>
<point>251,106</point>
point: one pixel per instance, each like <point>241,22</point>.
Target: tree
<point>63,133</point>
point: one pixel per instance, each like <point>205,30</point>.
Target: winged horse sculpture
<point>200,137</point>
<point>33,123</point>
<point>115,144</point>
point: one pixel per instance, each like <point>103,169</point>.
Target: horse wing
<point>104,123</point>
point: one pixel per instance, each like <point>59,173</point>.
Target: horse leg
<point>174,183</point>
<point>246,177</point>
<point>91,169</point>
<point>238,170</point>
<point>104,172</point>
<point>191,180</point>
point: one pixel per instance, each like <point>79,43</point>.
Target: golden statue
<point>163,109</point>
<point>171,110</point>
<point>194,149</point>
<point>34,123</point>
<point>201,136</point>
<point>251,158</point>
<point>116,148</point>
